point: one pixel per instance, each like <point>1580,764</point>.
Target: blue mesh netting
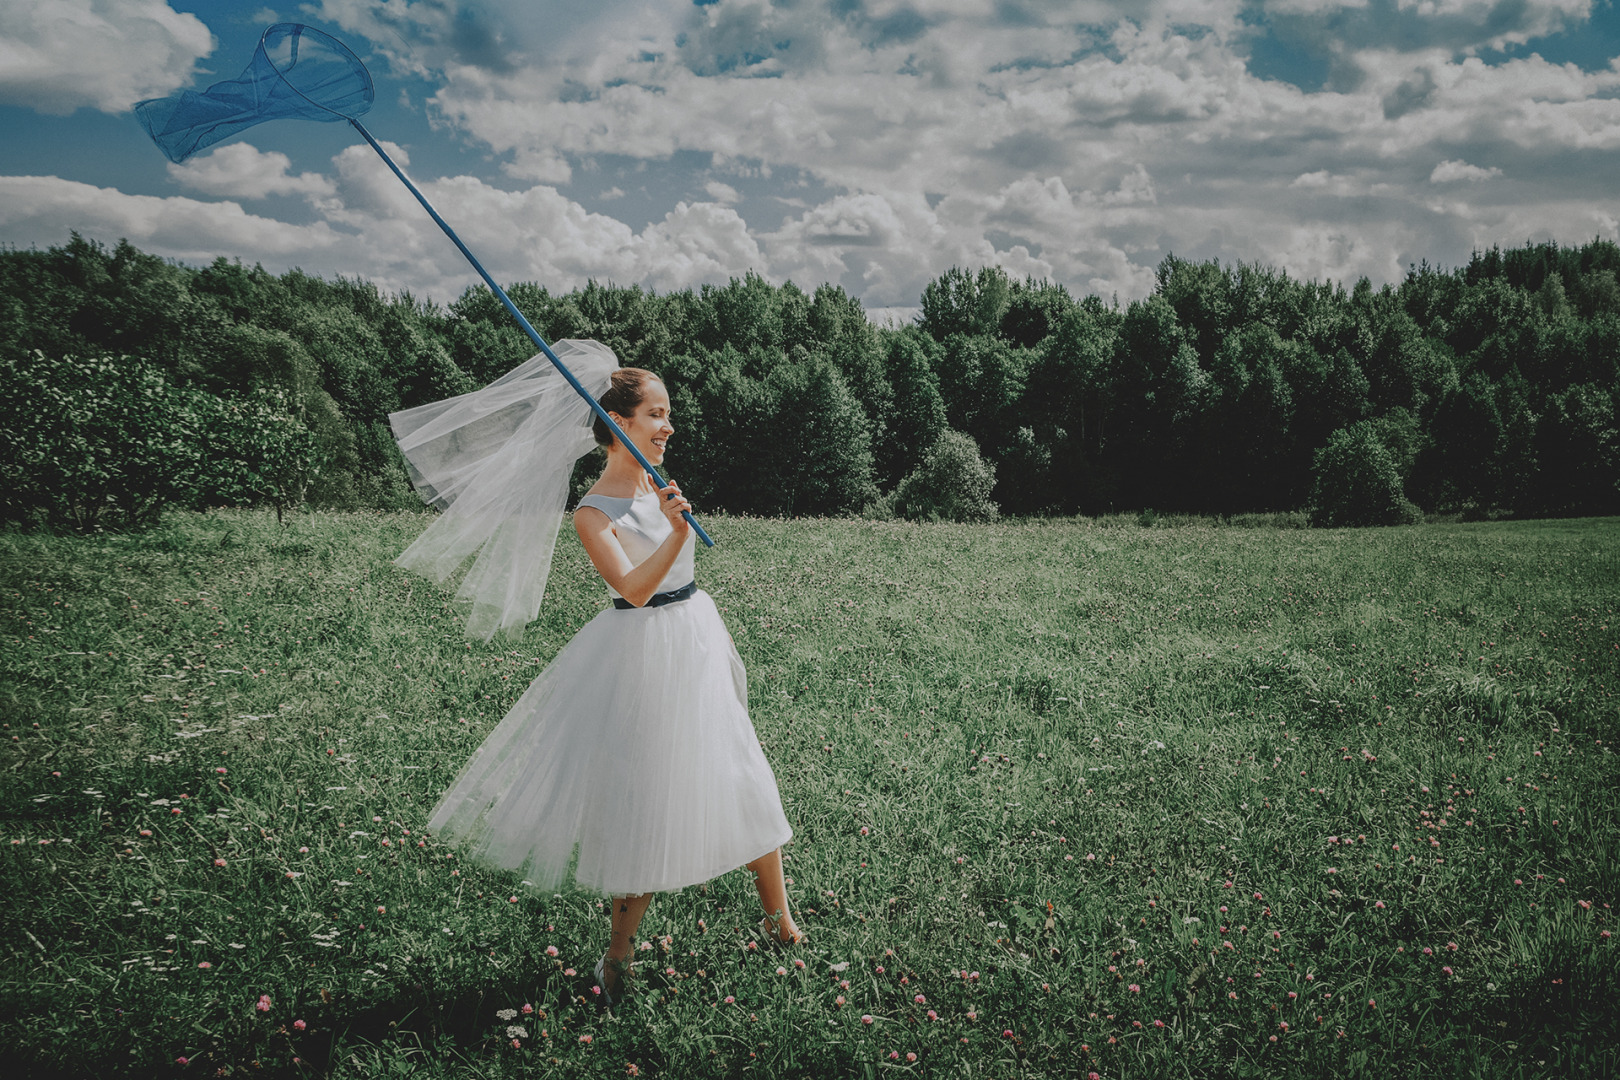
<point>297,73</point>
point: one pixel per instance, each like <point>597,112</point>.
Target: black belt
<point>659,599</point>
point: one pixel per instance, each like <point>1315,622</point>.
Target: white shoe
<point>624,973</point>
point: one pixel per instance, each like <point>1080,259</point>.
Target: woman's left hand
<point>674,504</point>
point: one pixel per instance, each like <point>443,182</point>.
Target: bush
<point>94,442</point>
<point>1357,482</point>
<point>254,450</point>
<point>109,442</point>
<point>952,484</point>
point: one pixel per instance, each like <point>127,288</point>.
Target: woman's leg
<point>773,895</point>
<point>627,913</point>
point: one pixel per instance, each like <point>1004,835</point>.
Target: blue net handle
<point>297,73</point>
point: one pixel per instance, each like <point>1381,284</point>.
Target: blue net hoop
<point>297,73</point>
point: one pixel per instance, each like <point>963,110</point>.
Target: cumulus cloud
<point>531,234</point>
<point>1525,20</point>
<point>1448,171</point>
<point>41,210</point>
<point>240,171</point>
<point>424,37</point>
<point>102,54</point>
<point>1335,31</point>
<point>371,226</point>
<point>722,193</point>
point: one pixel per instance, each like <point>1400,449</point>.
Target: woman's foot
<point>610,977</point>
<point>782,930</point>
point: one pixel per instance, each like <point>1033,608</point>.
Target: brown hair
<point>624,397</point>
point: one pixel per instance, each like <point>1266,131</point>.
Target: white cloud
<point>1312,7</point>
<point>532,234</point>
<point>239,171</point>
<point>60,55</point>
<point>371,226</point>
<point>722,193</point>
<point>1533,18</point>
<point>1448,171</point>
<point>41,210</point>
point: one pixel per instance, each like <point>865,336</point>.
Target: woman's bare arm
<point>636,584</point>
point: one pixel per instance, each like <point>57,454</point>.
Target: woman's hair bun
<point>624,396</point>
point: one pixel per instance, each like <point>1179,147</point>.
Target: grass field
<point>1069,796</point>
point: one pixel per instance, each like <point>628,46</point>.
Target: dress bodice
<point>641,527</point>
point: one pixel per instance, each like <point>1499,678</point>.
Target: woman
<point>629,764</point>
<point>694,683</point>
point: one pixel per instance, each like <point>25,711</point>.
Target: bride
<point>630,763</point>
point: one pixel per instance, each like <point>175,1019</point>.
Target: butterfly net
<point>297,73</point>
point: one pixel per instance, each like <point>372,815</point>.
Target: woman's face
<point>649,429</point>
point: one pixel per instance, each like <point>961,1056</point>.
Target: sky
<point>869,143</point>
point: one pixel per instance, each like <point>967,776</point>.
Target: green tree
<point>419,367</point>
<point>959,302</point>
<point>953,483</point>
<point>1201,296</point>
<point>1330,392</point>
<point>917,416</point>
<point>1160,393</point>
<point>819,440</point>
<point>1029,476</point>
<point>1578,454</point>
<point>745,313</point>
<point>836,328</point>
<point>1068,403</point>
<point>353,360</point>
<point>1035,309</point>
<point>1398,360</point>
<point>1467,436</point>
<point>1496,328</point>
<point>1358,483</point>
<point>1247,429</point>
<point>789,441</point>
<point>981,378</point>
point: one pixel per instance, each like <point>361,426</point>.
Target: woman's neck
<point>624,478</point>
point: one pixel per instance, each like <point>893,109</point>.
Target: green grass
<point>1045,754</point>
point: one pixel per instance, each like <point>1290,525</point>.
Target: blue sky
<point>872,143</point>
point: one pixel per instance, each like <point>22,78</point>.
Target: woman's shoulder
<point>599,490</point>
<point>613,507</point>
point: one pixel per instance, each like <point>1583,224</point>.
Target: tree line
<point>129,383</point>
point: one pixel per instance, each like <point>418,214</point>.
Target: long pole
<point>534,334</point>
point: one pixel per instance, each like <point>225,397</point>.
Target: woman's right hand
<point>674,504</point>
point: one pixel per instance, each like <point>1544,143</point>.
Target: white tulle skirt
<point>633,750</point>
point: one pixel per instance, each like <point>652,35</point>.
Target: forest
<point>130,384</point>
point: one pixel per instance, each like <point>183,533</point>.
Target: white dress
<point>632,750</point>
